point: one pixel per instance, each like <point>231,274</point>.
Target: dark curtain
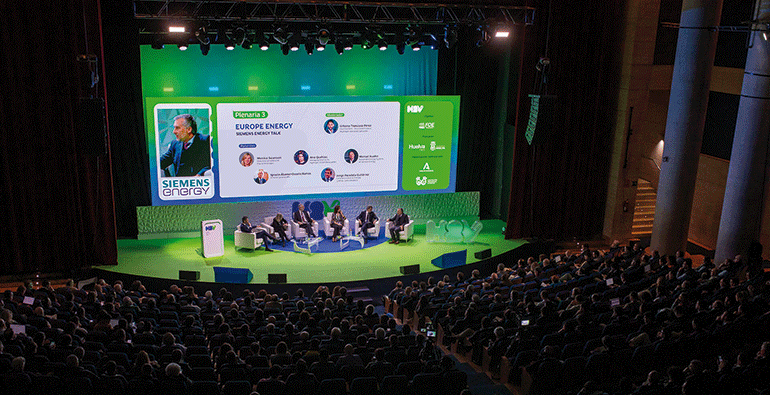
<point>126,115</point>
<point>559,187</point>
<point>56,194</point>
<point>473,73</point>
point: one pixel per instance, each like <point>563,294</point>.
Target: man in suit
<point>190,153</point>
<point>351,157</point>
<point>246,227</point>
<point>330,126</point>
<point>302,217</point>
<point>366,221</point>
<point>261,177</point>
<point>328,175</point>
<point>397,224</point>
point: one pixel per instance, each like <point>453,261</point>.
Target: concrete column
<point>695,50</point>
<point>740,222</point>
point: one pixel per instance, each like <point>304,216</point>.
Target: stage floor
<point>163,258</point>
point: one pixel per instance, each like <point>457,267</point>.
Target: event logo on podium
<point>212,238</point>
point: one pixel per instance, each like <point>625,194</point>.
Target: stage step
<point>358,289</point>
<point>360,293</point>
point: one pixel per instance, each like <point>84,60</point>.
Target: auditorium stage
<point>163,258</point>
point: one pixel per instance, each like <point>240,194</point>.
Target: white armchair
<point>299,233</point>
<point>372,232</point>
<point>328,230</point>
<point>406,234</point>
<point>246,239</point>
<point>267,225</point>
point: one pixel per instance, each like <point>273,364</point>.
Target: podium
<point>212,238</point>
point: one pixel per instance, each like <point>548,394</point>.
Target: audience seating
<point>666,319</point>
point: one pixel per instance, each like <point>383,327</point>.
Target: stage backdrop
<point>185,220</point>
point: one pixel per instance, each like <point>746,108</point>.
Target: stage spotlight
<point>205,48</point>
<point>382,44</point>
<point>413,34</point>
<point>324,36</point>
<point>202,35</point>
<point>239,36</point>
<point>263,43</point>
<point>280,36</point>
<point>182,47</point>
<point>348,45</point>
<point>416,47</point>
<point>319,46</point>
<point>157,44</point>
<point>176,29</point>
<point>339,47</point>
<point>285,49</point>
<point>482,36</point>
<point>242,38</point>
<point>400,47</point>
<point>293,44</point>
<point>450,36</point>
<point>309,46</point>
<point>368,39</point>
<point>400,43</point>
<point>229,44</point>
<point>430,39</point>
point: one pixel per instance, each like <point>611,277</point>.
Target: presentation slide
<point>273,149</point>
<point>208,150</point>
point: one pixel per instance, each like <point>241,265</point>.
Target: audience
<point>629,322</point>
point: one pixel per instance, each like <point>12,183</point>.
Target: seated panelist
<point>302,218</point>
<point>366,220</point>
<point>281,226</point>
<point>397,224</point>
<point>247,227</point>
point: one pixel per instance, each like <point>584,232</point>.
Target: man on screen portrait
<point>331,126</point>
<point>328,174</point>
<point>190,153</point>
<point>261,177</point>
<point>351,156</point>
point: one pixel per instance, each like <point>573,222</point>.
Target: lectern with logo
<point>212,238</point>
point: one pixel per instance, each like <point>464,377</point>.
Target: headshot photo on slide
<point>327,174</point>
<point>351,156</point>
<point>261,177</point>
<point>300,157</point>
<point>331,126</point>
<point>246,159</point>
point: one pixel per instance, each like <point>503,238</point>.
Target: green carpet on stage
<point>163,258</point>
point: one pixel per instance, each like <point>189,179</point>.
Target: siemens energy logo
<point>414,109</point>
<point>186,188</point>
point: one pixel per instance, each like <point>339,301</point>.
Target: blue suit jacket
<point>191,162</point>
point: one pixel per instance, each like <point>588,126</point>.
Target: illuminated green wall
<point>170,72</point>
